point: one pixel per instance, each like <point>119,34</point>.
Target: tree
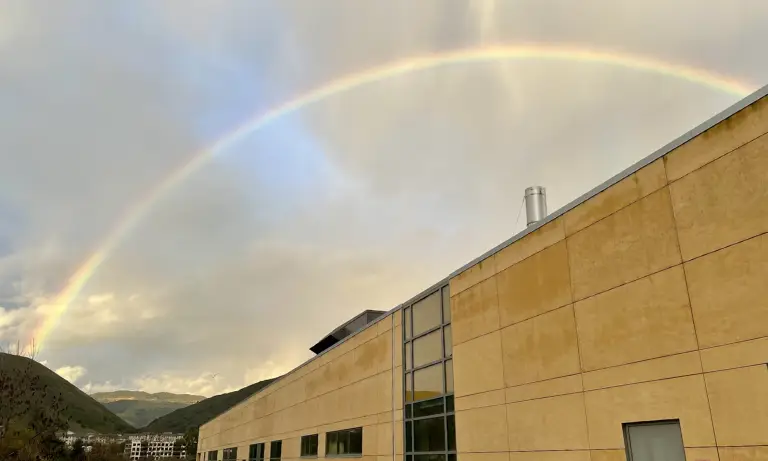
<point>78,451</point>
<point>31,415</point>
<point>190,443</point>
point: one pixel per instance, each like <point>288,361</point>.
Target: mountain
<point>83,412</point>
<point>193,416</point>
<point>140,408</point>
<point>167,397</point>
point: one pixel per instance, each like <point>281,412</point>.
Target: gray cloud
<point>356,202</point>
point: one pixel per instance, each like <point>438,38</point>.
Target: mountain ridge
<point>114,396</point>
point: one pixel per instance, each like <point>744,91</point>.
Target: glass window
<point>428,408</point>
<point>256,452</point>
<point>309,445</point>
<point>661,441</point>
<point>332,443</point>
<point>429,458</point>
<point>429,434</point>
<point>426,313</point>
<point>446,305</point>
<point>451,424</point>
<point>448,340</point>
<point>407,322</point>
<point>428,382</point>
<point>213,455</point>
<point>427,349</point>
<point>408,439</point>
<point>409,387</point>
<point>344,442</point>
<point>408,364</point>
<point>275,450</point>
<point>449,403</point>
<point>229,454</point>
<point>449,376</point>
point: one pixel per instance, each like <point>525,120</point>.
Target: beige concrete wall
<point>649,301</point>
<point>349,386</point>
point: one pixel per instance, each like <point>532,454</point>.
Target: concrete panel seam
<point>717,158</point>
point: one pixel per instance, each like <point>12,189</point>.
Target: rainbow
<point>53,311</point>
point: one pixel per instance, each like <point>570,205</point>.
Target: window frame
<point>349,453</point>
<point>229,454</point>
<point>625,428</point>
<point>308,439</point>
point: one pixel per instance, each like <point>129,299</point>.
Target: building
<point>632,321</point>
<point>154,446</point>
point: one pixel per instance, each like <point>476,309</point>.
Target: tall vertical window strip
<point>430,433</point>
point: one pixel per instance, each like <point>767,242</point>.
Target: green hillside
<point>193,416</point>
<point>83,412</point>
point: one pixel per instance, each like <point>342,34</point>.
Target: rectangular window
<point>229,454</point>
<point>309,445</point>
<point>275,450</point>
<point>429,434</point>
<point>344,443</point>
<point>446,305</point>
<point>427,349</point>
<point>427,313</point>
<point>213,455</point>
<point>256,452</point>
<point>654,441</point>
<point>428,382</point>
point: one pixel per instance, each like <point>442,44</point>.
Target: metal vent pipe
<point>535,204</point>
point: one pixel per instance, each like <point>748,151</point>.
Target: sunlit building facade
<point>631,324</point>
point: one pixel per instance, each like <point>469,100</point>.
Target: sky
<point>357,201</point>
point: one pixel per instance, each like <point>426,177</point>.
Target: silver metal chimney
<point>535,204</point>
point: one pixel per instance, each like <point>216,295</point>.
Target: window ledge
<point>354,455</point>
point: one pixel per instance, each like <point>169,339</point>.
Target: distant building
<point>154,446</point>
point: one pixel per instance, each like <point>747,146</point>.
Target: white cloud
<point>101,299</point>
<point>71,373</point>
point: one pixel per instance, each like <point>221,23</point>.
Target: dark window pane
<point>407,411</point>
<point>652,441</point>
<point>331,443</point>
<point>345,442</point>
<point>407,322</point>
<point>426,313</point>
<point>275,449</point>
<point>449,404</point>
<point>429,458</point>
<point>446,305</point>
<point>428,408</point>
<point>448,340</point>
<point>428,382</point>
<point>408,434</point>
<point>427,349</point>
<point>309,445</point>
<point>409,458</point>
<point>429,434</point>
<point>449,376</point>
<point>409,387</point>
<point>451,457</point>
<point>451,433</point>
<point>408,363</point>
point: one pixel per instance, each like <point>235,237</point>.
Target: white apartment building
<point>153,446</point>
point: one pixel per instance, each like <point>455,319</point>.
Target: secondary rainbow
<point>53,311</point>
